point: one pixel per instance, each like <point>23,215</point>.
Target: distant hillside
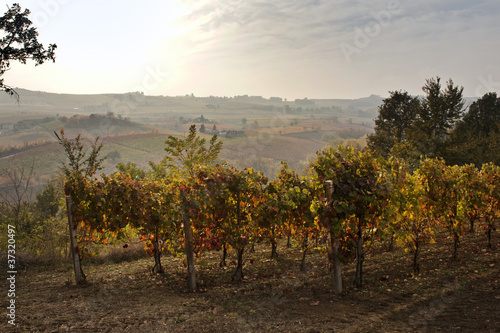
<point>16,136</point>
<point>103,125</point>
<point>134,127</point>
<point>103,103</point>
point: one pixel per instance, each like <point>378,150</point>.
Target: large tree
<point>396,116</point>
<point>476,138</point>
<point>409,127</point>
<point>441,109</point>
<point>483,115</point>
<point>19,43</point>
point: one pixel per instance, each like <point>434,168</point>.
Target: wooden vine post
<point>337,270</point>
<point>75,252</point>
<point>188,236</point>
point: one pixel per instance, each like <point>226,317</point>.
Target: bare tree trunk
<point>359,260</point>
<point>416,266</point>
<point>455,245</point>
<point>305,248</point>
<point>157,268</point>
<point>337,269</point>
<point>274,244</point>
<point>75,252</point>
<point>224,255</point>
<point>391,243</point>
<point>490,246</point>
<point>239,269</point>
<point>303,261</point>
<point>489,223</point>
<point>471,221</point>
<point>189,252</point>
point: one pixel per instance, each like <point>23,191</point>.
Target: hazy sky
<point>287,48</point>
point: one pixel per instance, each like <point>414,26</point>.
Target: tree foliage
<point>80,164</point>
<point>223,202</point>
<point>408,215</point>
<point>440,110</point>
<point>476,137</point>
<point>444,192</point>
<point>19,42</point>
<point>358,195</point>
<point>491,205</point>
<point>409,127</point>
<point>184,155</point>
<point>396,117</point>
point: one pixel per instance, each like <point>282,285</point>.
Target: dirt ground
<point>275,296</point>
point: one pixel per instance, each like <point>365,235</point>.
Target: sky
<point>271,48</point>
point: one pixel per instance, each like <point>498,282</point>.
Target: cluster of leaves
<point>40,222</point>
<point>184,155</point>
<point>107,206</point>
<point>19,42</point>
<point>226,201</point>
<point>476,136</point>
<point>232,208</point>
<point>439,197</point>
<point>181,203</point>
<point>438,125</point>
<point>357,196</point>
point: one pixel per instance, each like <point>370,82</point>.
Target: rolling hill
<point>133,127</point>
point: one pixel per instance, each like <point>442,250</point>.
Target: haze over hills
<point>42,101</point>
<point>257,132</point>
<point>167,114</point>
<point>134,103</point>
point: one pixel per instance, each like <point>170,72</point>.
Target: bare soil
<point>275,296</point>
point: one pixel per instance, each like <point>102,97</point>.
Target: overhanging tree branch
<point>20,43</point>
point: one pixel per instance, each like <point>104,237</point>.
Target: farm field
<point>274,131</point>
<point>123,296</point>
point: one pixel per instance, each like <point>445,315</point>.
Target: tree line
<point>438,124</point>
